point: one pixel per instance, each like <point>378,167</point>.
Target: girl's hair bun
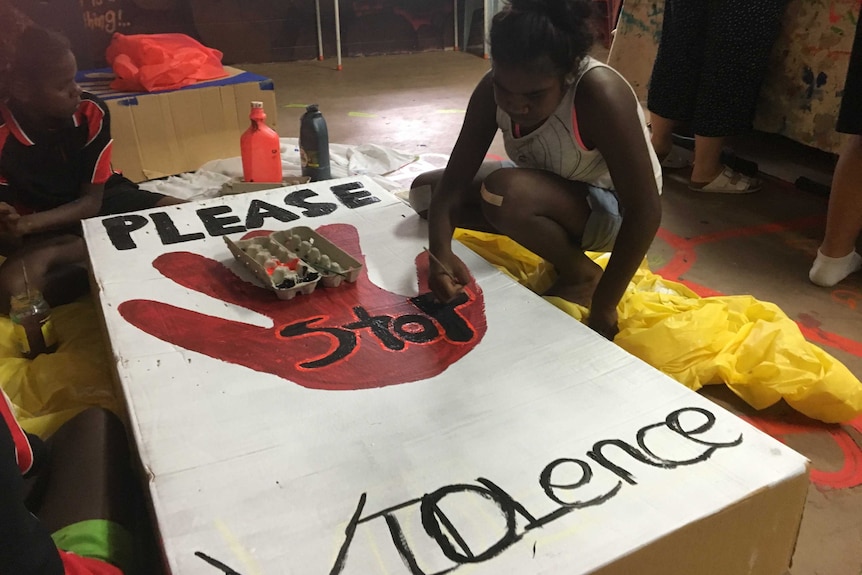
<point>526,31</point>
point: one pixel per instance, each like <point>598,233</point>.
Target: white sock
<point>828,271</point>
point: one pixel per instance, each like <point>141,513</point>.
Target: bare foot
<point>578,290</point>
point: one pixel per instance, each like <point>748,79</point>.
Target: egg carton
<point>294,261</point>
<point>280,270</point>
<point>334,264</point>
<point>238,186</point>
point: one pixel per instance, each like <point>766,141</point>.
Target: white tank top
<point>555,146</point>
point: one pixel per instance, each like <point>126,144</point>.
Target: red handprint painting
<point>355,336</point>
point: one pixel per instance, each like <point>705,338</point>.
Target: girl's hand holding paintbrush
<point>447,276</point>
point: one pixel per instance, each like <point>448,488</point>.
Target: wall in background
<point>278,30</point>
<point>89,24</point>
<point>255,30</point>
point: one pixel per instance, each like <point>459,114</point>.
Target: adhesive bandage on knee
<point>493,199</point>
<point>828,271</point>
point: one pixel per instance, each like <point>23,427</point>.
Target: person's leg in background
<point>837,257</point>
<point>675,78</point>
<point>739,40</point>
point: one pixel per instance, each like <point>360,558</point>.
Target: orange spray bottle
<point>260,149</point>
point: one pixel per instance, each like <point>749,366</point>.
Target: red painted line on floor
<point>685,256</point>
<point>846,297</point>
<point>850,474</point>
<point>770,228</point>
<point>700,290</point>
<point>827,338</point>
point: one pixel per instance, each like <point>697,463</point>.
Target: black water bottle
<point>314,145</point>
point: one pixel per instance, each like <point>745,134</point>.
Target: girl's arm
<point>477,133</point>
<point>608,120</point>
<point>95,160</point>
<point>85,206</point>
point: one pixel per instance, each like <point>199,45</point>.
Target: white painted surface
<point>265,475</point>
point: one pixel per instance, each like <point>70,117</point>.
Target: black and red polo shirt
<point>24,454</point>
<point>43,169</point>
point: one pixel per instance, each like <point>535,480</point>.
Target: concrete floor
<point>760,244</point>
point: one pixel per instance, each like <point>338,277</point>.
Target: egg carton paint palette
<point>294,261</point>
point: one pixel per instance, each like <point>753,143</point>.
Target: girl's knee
<point>499,181</point>
<point>508,183</point>
<point>94,426</point>
<point>427,179</point>
<point>501,193</point>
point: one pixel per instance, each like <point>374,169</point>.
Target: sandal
<point>728,181</point>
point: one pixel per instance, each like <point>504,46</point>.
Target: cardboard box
<point>158,134</point>
<point>237,186</point>
<point>364,430</point>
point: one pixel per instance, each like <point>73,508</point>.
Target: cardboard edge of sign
<point>756,536</point>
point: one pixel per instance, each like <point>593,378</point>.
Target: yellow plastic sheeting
<point>749,345</point>
<point>53,388</point>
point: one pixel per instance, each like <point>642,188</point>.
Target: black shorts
<point>850,115</point>
<point>123,195</point>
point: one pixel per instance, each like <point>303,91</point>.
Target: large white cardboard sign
<point>366,429</point>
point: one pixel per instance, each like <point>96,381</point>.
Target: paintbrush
<point>26,281</point>
<point>328,270</point>
<point>217,564</point>
<point>446,270</point>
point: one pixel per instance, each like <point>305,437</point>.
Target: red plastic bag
<point>151,62</point>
